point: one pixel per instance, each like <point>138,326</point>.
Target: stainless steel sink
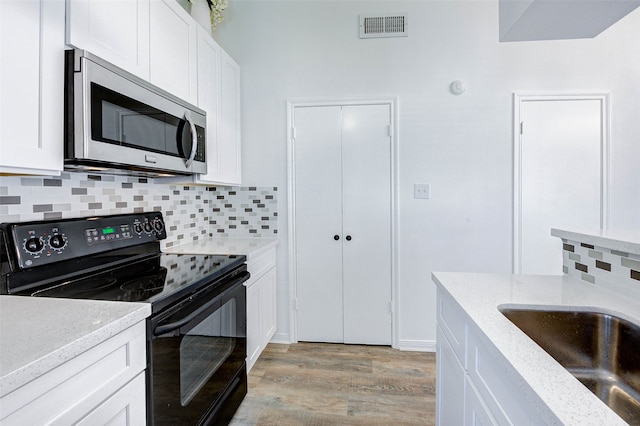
<point>602,351</point>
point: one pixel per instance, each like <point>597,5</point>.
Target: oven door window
<point>120,120</point>
<point>193,363</point>
<point>205,348</point>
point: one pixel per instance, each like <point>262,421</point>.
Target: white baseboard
<point>405,345</point>
<point>418,345</point>
<point>282,338</point>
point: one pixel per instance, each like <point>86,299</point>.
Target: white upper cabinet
<point>208,99</point>
<point>117,31</point>
<point>31,86</point>
<point>229,154</point>
<point>219,95</point>
<point>172,50</point>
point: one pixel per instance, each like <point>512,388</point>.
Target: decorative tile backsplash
<point>618,271</point>
<point>191,212</point>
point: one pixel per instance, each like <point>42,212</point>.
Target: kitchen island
<point>69,359</point>
<point>499,373</point>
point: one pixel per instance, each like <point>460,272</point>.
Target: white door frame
<point>291,186</point>
<point>518,100</point>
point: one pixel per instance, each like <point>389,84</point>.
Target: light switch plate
<point>422,191</point>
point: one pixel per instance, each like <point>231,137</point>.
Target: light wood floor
<point>330,384</point>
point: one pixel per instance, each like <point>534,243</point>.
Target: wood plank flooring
<point>332,384</point>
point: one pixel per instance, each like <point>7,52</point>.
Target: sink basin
<point>602,351</point>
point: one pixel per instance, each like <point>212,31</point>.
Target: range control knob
<point>148,228</point>
<point>137,227</point>
<point>33,245</point>
<point>57,241</point>
<point>158,225</point>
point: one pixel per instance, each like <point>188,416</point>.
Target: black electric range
<point>194,298</point>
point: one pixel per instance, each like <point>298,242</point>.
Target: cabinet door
<point>254,347</point>
<point>117,31</point>
<point>268,306</point>
<point>31,86</point>
<point>450,384</point>
<point>318,178</point>
<point>172,49</point>
<point>366,210</point>
<point>208,90</point>
<point>229,153</point>
<point>476,412</point>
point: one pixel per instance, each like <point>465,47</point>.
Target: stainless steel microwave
<point>116,122</point>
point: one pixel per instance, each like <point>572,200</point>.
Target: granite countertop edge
<point>627,242</point>
<point>80,326</point>
<point>555,394</point>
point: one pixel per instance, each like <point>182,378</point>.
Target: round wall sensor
<point>458,87</point>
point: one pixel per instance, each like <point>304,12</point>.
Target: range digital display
<point>108,230</point>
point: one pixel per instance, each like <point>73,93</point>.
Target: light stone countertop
<point>39,334</point>
<point>559,397</point>
<point>628,242</point>
<point>247,246</point>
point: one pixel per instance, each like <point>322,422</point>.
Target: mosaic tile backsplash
<point>615,270</point>
<point>190,212</point>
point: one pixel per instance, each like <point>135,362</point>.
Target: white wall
<point>461,145</point>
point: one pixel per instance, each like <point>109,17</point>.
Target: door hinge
<point>522,127</point>
<point>293,132</point>
<point>295,303</point>
<point>391,308</point>
<point>389,130</point>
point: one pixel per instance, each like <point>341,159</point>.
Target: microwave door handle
<point>194,138</point>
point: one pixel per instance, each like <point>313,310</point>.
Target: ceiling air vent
<point>376,26</point>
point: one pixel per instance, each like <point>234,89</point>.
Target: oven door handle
<point>161,329</point>
<point>175,325</point>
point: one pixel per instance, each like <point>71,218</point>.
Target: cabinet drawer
<point>453,325</point>
<point>128,407</point>
<point>258,265</point>
<point>70,391</point>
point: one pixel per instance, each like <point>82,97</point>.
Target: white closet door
<point>366,200</point>
<point>561,177</point>
<point>318,212</point>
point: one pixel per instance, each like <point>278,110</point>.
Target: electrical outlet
<point>422,191</point>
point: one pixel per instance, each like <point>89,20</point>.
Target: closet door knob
<point>348,237</point>
<point>336,237</point>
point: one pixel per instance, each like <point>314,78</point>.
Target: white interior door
<point>318,212</point>
<point>366,200</point>
<point>342,191</point>
<point>562,179</point>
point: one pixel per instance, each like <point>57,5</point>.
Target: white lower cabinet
<point>473,386</point>
<point>104,385</point>
<point>261,303</point>
<point>125,407</point>
<point>449,384</point>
